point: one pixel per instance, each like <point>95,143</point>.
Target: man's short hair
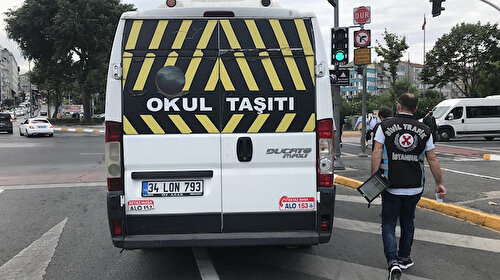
<point>384,112</point>
<point>408,101</point>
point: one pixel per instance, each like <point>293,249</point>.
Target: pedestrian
<point>430,121</point>
<point>400,145</point>
<point>370,125</point>
<point>384,113</point>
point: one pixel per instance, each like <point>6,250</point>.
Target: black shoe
<point>394,271</point>
<point>405,263</point>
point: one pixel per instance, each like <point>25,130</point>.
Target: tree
<point>467,57</point>
<point>48,30</point>
<point>396,45</point>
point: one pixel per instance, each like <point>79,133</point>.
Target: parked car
<point>6,122</point>
<point>36,126</point>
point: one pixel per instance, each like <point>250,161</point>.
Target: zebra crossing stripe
<point>152,124</point>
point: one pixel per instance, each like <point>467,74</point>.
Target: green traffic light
<point>339,55</point>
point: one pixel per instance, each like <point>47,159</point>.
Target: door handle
<point>463,120</point>
<point>244,149</point>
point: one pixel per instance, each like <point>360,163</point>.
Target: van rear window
<point>218,76</point>
<point>483,111</point>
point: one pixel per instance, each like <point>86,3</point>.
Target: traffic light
<point>340,45</point>
<point>436,7</point>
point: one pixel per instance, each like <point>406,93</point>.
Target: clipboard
<point>372,187</point>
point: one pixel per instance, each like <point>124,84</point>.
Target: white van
<point>219,128</point>
<point>468,117</point>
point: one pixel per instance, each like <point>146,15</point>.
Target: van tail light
<point>117,226</point>
<point>325,153</point>
<point>113,154</point>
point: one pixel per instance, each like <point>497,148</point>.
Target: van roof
<point>197,12</point>
<point>469,101</point>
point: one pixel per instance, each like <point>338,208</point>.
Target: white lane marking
<point>467,148</point>
<point>50,186</point>
<point>205,265</point>
<point>488,195</point>
<point>344,154</point>
<point>91,154</point>
<point>445,238</point>
<point>357,199</point>
<point>32,261</point>
<point>1,190</point>
<point>470,174</point>
<point>323,267</point>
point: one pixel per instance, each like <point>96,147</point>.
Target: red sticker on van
<point>297,203</point>
<point>140,205</point>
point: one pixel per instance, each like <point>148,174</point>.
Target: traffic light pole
<point>338,164</point>
<point>363,116</point>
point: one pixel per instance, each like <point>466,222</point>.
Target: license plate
<point>172,188</point>
<point>41,126</point>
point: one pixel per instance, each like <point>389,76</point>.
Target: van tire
<point>489,138</point>
<point>445,134</point>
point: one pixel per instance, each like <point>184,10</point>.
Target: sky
<point>402,17</point>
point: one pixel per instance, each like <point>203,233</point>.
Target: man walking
<point>430,121</point>
<point>401,143</point>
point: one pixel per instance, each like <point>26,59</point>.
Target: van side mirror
<point>450,117</point>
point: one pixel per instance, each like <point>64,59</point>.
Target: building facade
<point>9,75</point>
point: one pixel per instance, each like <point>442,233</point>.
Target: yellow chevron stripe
<point>160,30</point>
<point>127,126</point>
<point>270,71</point>
<point>192,68</point>
<point>311,123</point>
<point>144,73</point>
<point>258,123</point>
<point>289,59</point>
<point>245,70</point>
<point>207,123</point>
<point>152,124</point>
<point>181,34</point>
<point>233,122</point>
<point>172,59</point>
<point>127,59</point>
<point>207,33</point>
<point>180,124</point>
<point>224,77</point>
<point>254,32</point>
<point>306,45</point>
<point>214,77</point>
<point>134,34</point>
<point>231,37</point>
<point>285,122</point>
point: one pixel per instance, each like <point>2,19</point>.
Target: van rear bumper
<point>217,239</point>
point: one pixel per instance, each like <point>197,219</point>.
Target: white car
<point>36,126</point>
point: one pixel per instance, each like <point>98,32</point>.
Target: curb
<point>491,157</point>
<point>79,130</point>
<point>479,218</point>
<point>351,134</point>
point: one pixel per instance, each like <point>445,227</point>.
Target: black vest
<point>405,139</point>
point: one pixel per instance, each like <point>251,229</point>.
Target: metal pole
<point>424,55</point>
<point>31,93</point>
<point>338,164</point>
<point>363,116</point>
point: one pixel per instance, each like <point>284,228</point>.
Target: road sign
<point>339,78</point>
<point>362,38</point>
<point>362,15</point>
<point>362,56</point>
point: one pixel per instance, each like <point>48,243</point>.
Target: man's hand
<point>440,190</point>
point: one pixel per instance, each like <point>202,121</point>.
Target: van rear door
<point>171,140</point>
<point>268,125</point>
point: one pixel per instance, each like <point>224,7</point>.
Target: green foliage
<point>8,102</point>
<point>82,31</point>
<point>467,57</point>
<point>396,45</point>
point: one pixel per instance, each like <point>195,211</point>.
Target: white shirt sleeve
<point>429,145</point>
<point>379,135</point>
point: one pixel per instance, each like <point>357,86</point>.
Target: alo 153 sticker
<point>297,203</point>
<point>140,205</point>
